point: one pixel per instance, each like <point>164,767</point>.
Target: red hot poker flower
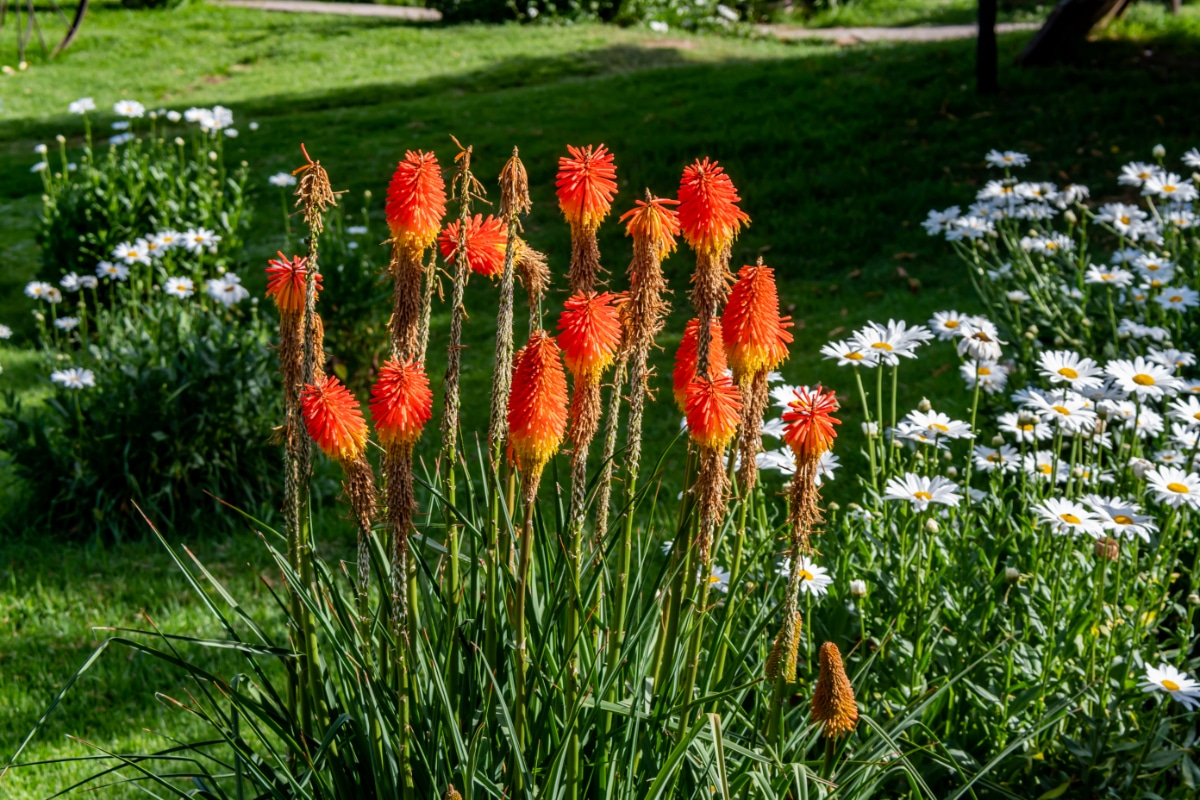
<point>333,419</point>
<point>401,402</point>
<point>586,185</point>
<point>537,405</point>
<point>654,222</point>
<point>286,282</point>
<point>708,212</point>
<point>686,357</point>
<point>416,200</point>
<point>756,337</point>
<point>713,411</point>
<point>808,423</point>
<point>590,332</point>
<point>486,242</point>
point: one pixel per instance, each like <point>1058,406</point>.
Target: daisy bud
<point>1102,413</point>
<point>931,525</point>
<point>834,507</point>
<point>1070,217</point>
<point>1085,322</point>
<point>833,700</point>
<point>212,155</point>
<point>1033,330</point>
<point>1077,472</point>
<point>924,406</point>
<point>947,455</point>
<point>1159,151</point>
<point>899,445</point>
<point>367,194</point>
<point>1025,418</point>
<point>1139,468</point>
<point>952,472</point>
<point>1108,548</point>
<point>858,589</point>
<point>997,440</point>
<point>870,429</point>
<point>1193,599</point>
<point>1012,574</point>
<point>178,141</point>
<point>60,139</point>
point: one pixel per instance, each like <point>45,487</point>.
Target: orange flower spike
<point>586,185</point>
<point>808,423</point>
<point>486,242</point>
<point>708,212</point>
<point>333,419</point>
<point>654,221</point>
<point>286,282</point>
<point>590,332</point>
<point>416,200</point>
<point>755,336</point>
<point>713,411</point>
<point>537,406</point>
<point>685,360</point>
<point>401,402</point>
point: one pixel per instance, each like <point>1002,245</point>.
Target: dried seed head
<point>833,701</point>
<point>533,270</point>
<point>514,189</point>
<point>781,663</point>
<point>315,193</point>
<point>451,793</point>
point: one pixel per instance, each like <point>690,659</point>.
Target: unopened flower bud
<point>1030,335</point>
<point>60,139</point>
<point>931,525</point>
<point>1102,412</point>
<point>952,471</point>
<point>1085,322</point>
<point>212,155</point>
<point>1070,217</point>
<point>858,589</point>
<point>896,443</point>
<point>1026,418</point>
<point>834,507</point>
<point>1193,599</point>
<point>1058,341</point>
<point>870,429</point>
<point>924,406</point>
<point>997,440</point>
<point>1033,329</point>
<point>1139,466</point>
<point>178,141</point>
<point>947,455</point>
<point>1159,151</point>
<point>1108,548</point>
<point>367,194</point>
<point>854,506</point>
<point>1077,472</point>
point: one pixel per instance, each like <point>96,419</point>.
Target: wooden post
<point>986,57</point>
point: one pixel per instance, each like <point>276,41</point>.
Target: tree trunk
<point>986,58</point>
<point>1067,27</point>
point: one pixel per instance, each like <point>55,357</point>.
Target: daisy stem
<point>895,383</point>
<point>1150,736</point>
<point>1047,661</point>
<point>872,441</point>
<point>879,414</point>
<point>970,460</point>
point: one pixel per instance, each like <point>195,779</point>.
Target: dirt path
<point>348,9</point>
<point>916,33</point>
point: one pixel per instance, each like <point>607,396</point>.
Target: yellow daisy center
<point>1107,276</point>
<point>951,323</point>
<point>1142,379</point>
<point>1027,427</point>
<point>984,371</point>
<point>940,427</point>
<point>1068,373</point>
<point>1121,519</point>
<point>1066,412</point>
<point>1178,488</point>
<point>855,356</point>
<point>1175,298</point>
<point>1071,518</point>
<point>1170,685</point>
<point>714,578</point>
<point>923,496</point>
<point>805,575</point>
<point>1044,469</point>
<point>995,458</point>
<point>882,346</point>
<point>1124,220</point>
<point>1170,187</point>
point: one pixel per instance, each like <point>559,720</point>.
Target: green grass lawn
<point>838,154</point>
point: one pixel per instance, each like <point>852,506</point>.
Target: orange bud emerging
<point>654,222</point>
<point>416,200</point>
<point>713,408</point>
<point>590,332</point>
<point>708,212</point>
<point>756,337</point>
<point>586,185</point>
<point>333,419</point>
<point>286,282</point>
<point>537,406</point>
<point>401,402</point>
<point>833,701</point>
<point>685,360</point>
<point>808,423</point>
<point>486,242</point>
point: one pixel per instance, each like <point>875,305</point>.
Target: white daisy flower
<point>1121,516</point>
<point>5,332</point>
<point>166,240</point>
<point>1169,186</point>
<point>849,354</point>
<point>1186,410</point>
<point>1006,158</point>
<point>1071,194</point>
<point>40,166</point>
<point>991,376</point>
<point>813,579</point>
<point>129,108</point>
<point>232,133</point>
<point>1185,437</point>
<point>980,341</point>
<point>780,460</point>
<point>1122,217</point>
<point>1042,466</point>
<point>88,282</point>
<point>179,287</point>
<point>970,228</point>
<point>199,239</point>
<point>1141,377</point>
<point>782,396</point>
<point>1165,678</point>
<point>718,579</point>
<point>81,106</point>
<point>891,341</point>
<point>935,423</point>
<point>74,378</point>
<point>1178,298</point>
<point>1181,217</point>
<point>1192,158</point>
<point>1006,459</point>
<point>66,323</point>
<point>774,428</point>
<point>921,490</point>
<point>1065,408</point>
<point>947,324</point>
<point>1155,268</point>
<point>1064,366</point>
<point>69,282</point>
<point>915,434</point>
<point>37,290</point>
<point>116,272</point>
<point>1169,457</point>
<point>227,289</point>
<point>1109,276</point>
<point>1026,427</point>
<point>940,222</point>
<point>133,252</point>
<point>1136,173</point>
<point>1067,516</point>
<point>1171,358</point>
<point>1037,192</point>
<point>1174,486</point>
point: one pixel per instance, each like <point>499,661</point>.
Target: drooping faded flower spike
<point>486,241</point>
<point>314,193</point>
<point>756,340</point>
<point>537,407</point>
<point>336,424</point>
<point>710,219</point>
<point>713,411</point>
<point>416,204</point>
<point>809,431</point>
<point>586,185</point>
<point>685,371</point>
<point>833,701</point>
